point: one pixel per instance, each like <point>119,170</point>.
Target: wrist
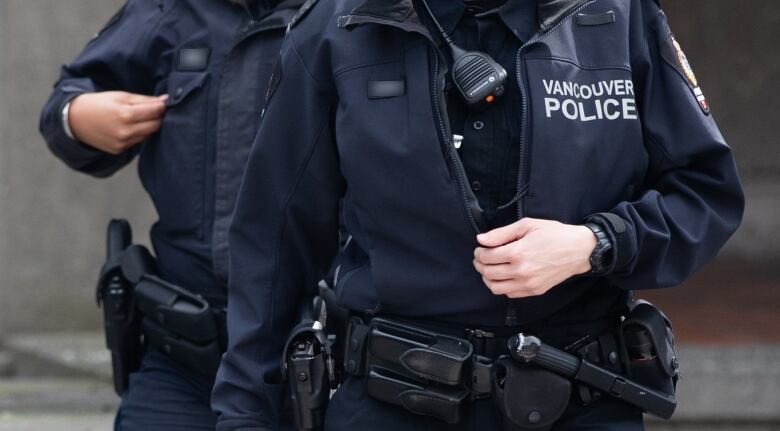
<point>587,242</point>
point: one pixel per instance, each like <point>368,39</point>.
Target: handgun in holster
<point>121,321</point>
<point>309,366</point>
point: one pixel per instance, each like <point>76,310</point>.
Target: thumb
<point>505,235</point>
<point>137,99</point>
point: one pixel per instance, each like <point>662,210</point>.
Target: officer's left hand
<point>531,256</point>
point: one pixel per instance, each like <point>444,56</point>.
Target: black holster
<point>650,353</point>
<point>182,324</point>
<point>121,320</point>
<point>140,309</point>
<point>309,367</point>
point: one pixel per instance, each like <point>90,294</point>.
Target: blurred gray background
<point>52,224</point>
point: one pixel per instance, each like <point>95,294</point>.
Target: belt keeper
<point>481,380</point>
<point>355,348</point>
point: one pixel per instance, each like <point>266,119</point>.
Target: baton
<point>528,349</point>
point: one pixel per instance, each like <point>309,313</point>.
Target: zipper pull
<point>457,141</point>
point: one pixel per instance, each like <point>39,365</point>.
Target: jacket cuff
<point>71,148</point>
<point>623,239</point>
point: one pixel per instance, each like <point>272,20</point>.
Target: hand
<point>114,121</point>
<point>531,256</point>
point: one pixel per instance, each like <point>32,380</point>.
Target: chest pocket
<point>180,155</point>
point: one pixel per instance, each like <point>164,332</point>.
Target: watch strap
<point>601,257</point>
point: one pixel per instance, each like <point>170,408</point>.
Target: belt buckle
<point>472,334</point>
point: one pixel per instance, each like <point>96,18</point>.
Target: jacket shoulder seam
<point>306,67</point>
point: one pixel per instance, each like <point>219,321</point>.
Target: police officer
<point>597,172</point>
<point>180,84</point>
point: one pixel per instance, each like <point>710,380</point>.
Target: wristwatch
<point>601,257</point>
<point>66,121</point>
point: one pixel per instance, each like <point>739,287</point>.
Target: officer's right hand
<point>113,121</point>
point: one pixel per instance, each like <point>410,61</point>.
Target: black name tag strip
<point>596,19</point>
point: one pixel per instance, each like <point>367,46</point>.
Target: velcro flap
<point>434,365</point>
<point>445,406</point>
<point>659,329</point>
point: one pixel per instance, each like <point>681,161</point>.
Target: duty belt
<point>437,374</point>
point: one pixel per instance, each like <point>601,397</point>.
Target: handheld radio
<point>479,79</point>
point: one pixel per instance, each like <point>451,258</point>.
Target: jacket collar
<point>264,7</point>
<point>519,16</point>
<point>280,15</point>
<point>549,12</point>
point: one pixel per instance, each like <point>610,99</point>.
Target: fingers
<point>143,112</point>
<point>500,287</point>
<point>134,134</point>
<point>135,99</point>
<point>496,256</point>
<point>514,289</point>
<point>495,272</point>
<point>140,131</point>
<point>506,234</point>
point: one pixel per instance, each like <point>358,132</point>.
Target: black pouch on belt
<point>417,369</point>
<point>648,341</point>
<point>528,397</point>
<point>180,323</point>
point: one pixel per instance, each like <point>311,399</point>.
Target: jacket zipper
<point>449,146</point>
<point>511,314</point>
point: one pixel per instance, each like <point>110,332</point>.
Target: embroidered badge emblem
<point>674,55</point>
<point>686,66</point>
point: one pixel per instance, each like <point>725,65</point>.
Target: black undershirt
<point>491,146</point>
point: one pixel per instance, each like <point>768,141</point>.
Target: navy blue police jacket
<point>615,128</point>
<point>213,58</point>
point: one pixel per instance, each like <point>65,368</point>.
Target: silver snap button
<point>179,91</point>
<point>478,125</point>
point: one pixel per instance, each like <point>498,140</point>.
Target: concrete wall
<point>52,220</point>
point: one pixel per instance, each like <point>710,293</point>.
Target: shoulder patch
<point>673,54</point>
<point>305,8</point>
